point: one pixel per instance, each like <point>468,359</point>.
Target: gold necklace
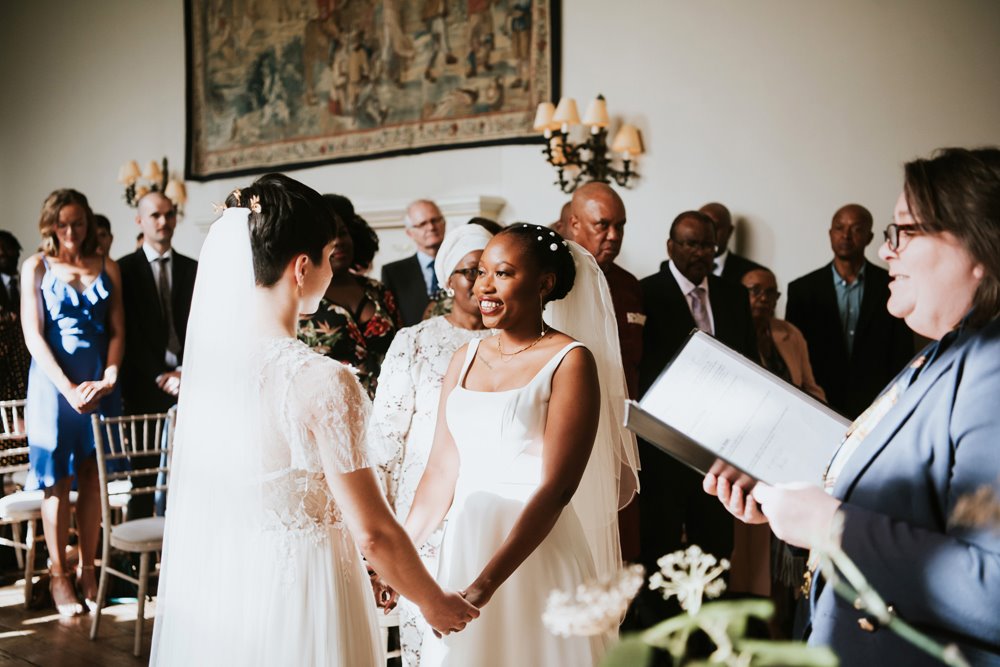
<point>507,356</point>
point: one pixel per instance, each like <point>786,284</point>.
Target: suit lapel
<point>886,429</point>
<point>675,301</point>
<point>151,294</point>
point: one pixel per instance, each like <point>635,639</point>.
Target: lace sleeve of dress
<point>392,410</point>
<point>328,410</point>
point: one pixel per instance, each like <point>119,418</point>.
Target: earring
<point>541,301</point>
<point>449,292</point>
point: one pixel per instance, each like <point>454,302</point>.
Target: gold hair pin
<point>255,204</point>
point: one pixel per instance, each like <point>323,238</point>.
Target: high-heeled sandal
<point>89,602</point>
<point>65,609</point>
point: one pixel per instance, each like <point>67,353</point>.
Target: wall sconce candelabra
<point>589,159</point>
<point>156,178</point>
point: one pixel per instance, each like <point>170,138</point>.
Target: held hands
<point>799,514</point>
<point>449,613</point>
<point>385,596</point>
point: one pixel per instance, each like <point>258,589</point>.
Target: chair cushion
<point>25,505</point>
<point>138,535</point>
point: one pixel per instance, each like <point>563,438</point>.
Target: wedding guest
<point>728,265</point>
<point>527,456</point>
<point>925,446</point>
<point>14,357</point>
<point>74,326</point>
<point>412,280</point>
<point>406,403</point>
<point>104,236</point>
<point>780,344</point>
<point>357,317</point>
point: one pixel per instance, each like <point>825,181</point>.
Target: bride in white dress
<point>273,499</point>
<point>527,455</point>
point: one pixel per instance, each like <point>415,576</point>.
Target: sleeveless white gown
<point>492,431</point>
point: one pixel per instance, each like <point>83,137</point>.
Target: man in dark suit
<point>157,284</point>
<point>856,347</point>
<point>728,265</point>
<point>412,280</point>
<point>683,295</point>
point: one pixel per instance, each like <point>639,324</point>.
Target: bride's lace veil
<point>208,609</point>
<point>610,480</point>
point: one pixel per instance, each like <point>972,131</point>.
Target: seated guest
<point>781,346</point>
<point>893,495</point>
<point>357,317</point>
<point>104,236</point>
<point>728,265</point>
<point>855,345</point>
<point>406,403</point>
<point>412,280</point>
<point>14,357</point>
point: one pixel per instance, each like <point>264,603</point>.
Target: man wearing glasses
<point>855,345</point>
<point>673,510</point>
<point>412,280</point>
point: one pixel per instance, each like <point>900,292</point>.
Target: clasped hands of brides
<point>507,356</point>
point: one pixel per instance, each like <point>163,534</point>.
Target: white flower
<point>690,575</point>
<point>597,607</point>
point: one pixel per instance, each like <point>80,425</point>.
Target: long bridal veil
<point>611,479</point>
<point>208,611</point>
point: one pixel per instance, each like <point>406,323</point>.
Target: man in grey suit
<point>412,280</point>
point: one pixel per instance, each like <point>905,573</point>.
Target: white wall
<point>782,109</point>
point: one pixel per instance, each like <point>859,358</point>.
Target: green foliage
<point>631,651</point>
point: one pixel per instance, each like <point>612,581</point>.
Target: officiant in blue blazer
<point>903,476</point>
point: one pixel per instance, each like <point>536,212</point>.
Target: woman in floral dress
<point>357,317</point>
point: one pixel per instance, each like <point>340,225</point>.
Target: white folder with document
<point>715,410</point>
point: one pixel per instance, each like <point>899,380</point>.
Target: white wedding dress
<point>493,432</point>
<point>258,566</point>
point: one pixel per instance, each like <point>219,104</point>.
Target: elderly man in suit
<point>157,285</point>
<point>728,265</point>
<point>682,296</point>
<point>412,280</point>
<point>855,345</point>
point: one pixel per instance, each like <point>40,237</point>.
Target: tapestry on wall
<point>275,84</point>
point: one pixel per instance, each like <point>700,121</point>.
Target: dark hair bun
<point>550,252</point>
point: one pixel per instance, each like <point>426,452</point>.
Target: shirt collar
<point>838,280</point>
<point>424,259</point>
<point>685,284</point>
<point>152,255</point>
<point>720,262</point>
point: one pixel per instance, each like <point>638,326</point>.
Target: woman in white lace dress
<point>409,385</point>
<point>273,499</point>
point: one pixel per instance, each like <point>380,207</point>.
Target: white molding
<point>456,211</point>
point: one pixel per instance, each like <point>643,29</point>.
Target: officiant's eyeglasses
<point>468,274</point>
<point>895,234</point>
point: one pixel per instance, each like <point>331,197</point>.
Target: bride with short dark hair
<point>273,499</point>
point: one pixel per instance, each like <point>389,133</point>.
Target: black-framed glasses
<point>696,245</point>
<point>894,234</point>
<point>468,274</point>
<point>769,293</point>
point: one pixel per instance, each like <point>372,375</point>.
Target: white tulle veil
<point>610,480</point>
<point>207,604</point>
